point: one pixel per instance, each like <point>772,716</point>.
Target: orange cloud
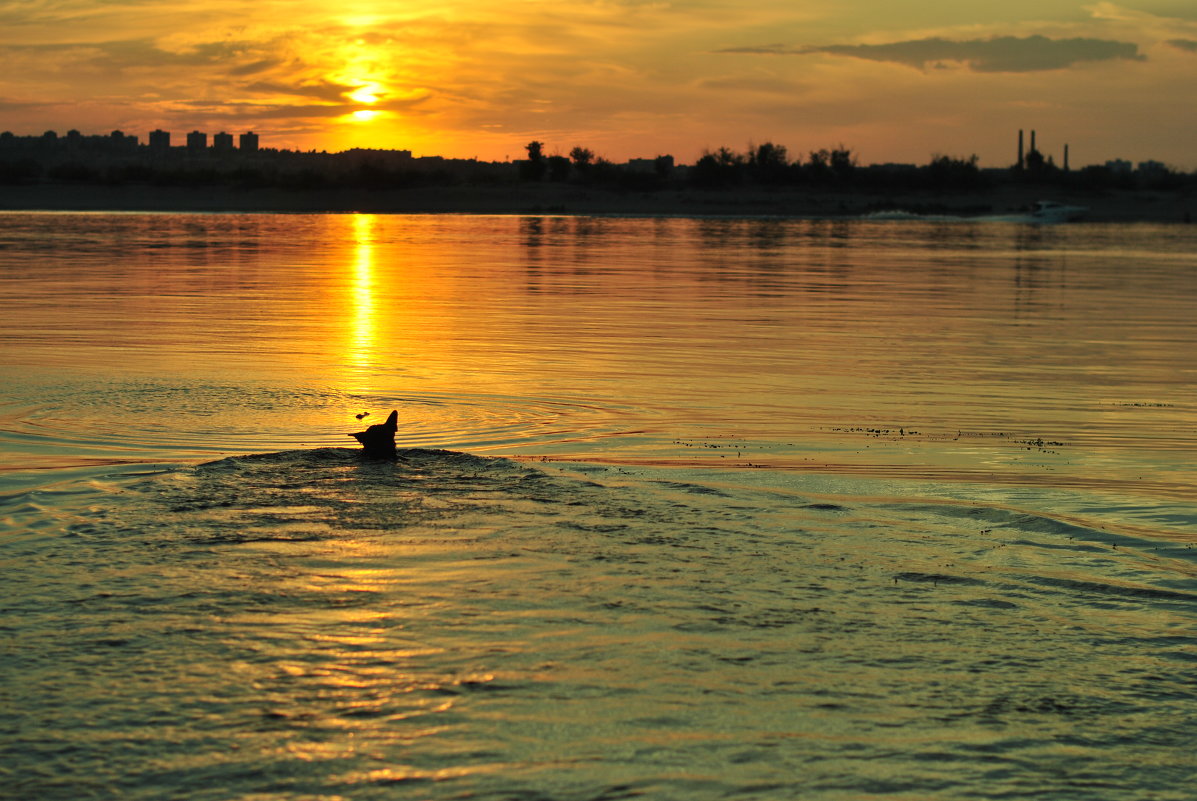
<point>997,54</point>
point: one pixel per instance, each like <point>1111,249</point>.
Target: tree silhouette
<point>716,170</point>
<point>582,157</point>
<point>558,168</point>
<point>828,165</point>
<point>843,163</point>
<point>770,155</point>
<point>533,169</point>
<point>770,162</point>
<point>726,157</point>
<point>945,172</point>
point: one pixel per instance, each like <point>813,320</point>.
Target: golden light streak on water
<point>363,304</point>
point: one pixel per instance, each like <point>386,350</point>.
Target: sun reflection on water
<point>363,330</point>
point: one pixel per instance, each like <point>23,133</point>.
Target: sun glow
<point>368,94</point>
<point>365,115</point>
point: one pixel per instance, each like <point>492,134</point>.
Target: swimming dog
<point>378,441</point>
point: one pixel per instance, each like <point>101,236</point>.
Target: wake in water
<point>309,624</point>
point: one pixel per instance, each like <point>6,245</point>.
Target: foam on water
<point>307,624</point>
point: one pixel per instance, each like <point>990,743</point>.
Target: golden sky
<point>893,80</point>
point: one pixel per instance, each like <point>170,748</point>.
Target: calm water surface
<point>789,508</point>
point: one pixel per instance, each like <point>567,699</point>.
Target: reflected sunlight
<point>363,331</point>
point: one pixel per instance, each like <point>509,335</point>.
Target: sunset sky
<point>893,80</point>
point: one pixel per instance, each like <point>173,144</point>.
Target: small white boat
<point>1049,211</point>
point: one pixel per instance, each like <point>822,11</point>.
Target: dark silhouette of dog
<point>378,441</point>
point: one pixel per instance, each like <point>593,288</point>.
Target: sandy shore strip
<point>1123,206</point>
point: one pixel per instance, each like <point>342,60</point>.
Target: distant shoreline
<point>572,199</point>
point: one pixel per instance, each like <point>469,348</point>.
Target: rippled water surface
<point>686,508</point>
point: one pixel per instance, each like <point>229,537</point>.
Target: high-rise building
<point>222,142</point>
<point>120,143</point>
<point>249,142</point>
<point>159,140</point>
<point>197,141</point>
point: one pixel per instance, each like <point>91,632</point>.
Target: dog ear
<point>393,419</point>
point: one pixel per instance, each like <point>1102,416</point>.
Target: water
<point>688,508</point>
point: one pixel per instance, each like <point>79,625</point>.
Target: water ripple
<point>317,623</point>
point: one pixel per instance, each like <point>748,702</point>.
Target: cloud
<point>320,90</point>
<point>770,50</point>
<point>750,83</point>
<point>264,65</point>
<point>1184,44</point>
<point>267,111</point>
<point>124,54</point>
<point>999,54</point>
<point>20,105</point>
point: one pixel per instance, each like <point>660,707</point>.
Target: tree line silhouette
<point>765,165</point>
<point>770,165</point>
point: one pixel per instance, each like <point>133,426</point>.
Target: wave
<point>490,627</point>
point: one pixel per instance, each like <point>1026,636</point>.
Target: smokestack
<point>1033,148</point>
<point>1065,158</point>
<point>1020,148</point>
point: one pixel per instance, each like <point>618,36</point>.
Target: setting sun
<point>368,94</point>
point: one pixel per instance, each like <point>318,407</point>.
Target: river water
<point>685,508</point>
